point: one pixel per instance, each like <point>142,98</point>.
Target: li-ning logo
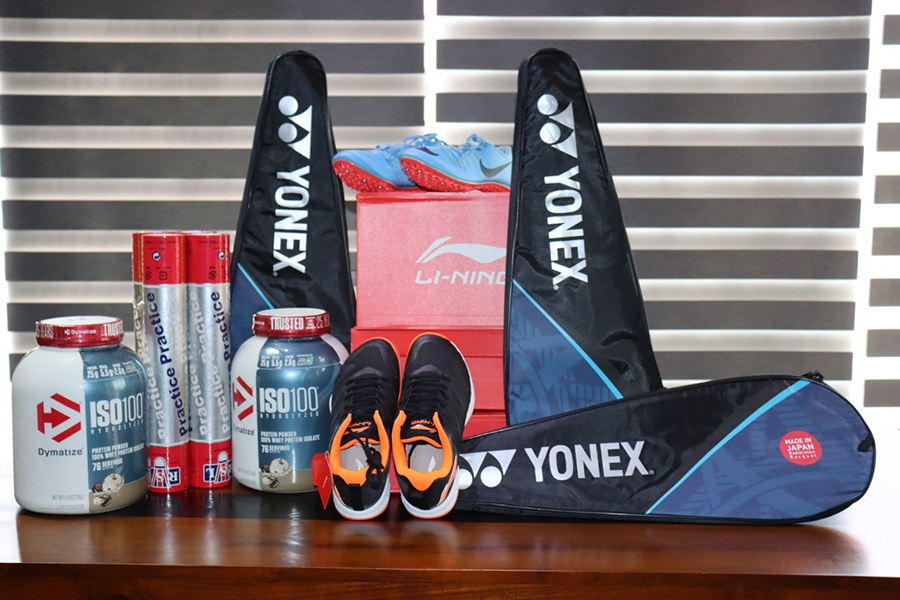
<point>54,418</point>
<point>243,406</point>
<point>560,462</point>
<point>290,230</point>
<point>480,253</point>
<point>566,239</point>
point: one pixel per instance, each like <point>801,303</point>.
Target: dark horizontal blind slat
<point>637,160</point>
<point>167,163</point>
<point>212,9</point>
<point>729,160</point>
<point>886,241</point>
<point>767,55</point>
<point>651,264</point>
<point>22,316</point>
<point>883,342</point>
<point>75,266</point>
<point>740,264</point>
<point>657,8</point>
<point>120,214</point>
<point>720,365</point>
<point>673,108</point>
<point>89,57</point>
<point>734,314</point>
<point>887,189</point>
<point>132,215</point>
<point>890,83</point>
<point>888,137</point>
<point>882,392</point>
<point>892,29</point>
<point>741,212</point>
<point>884,292</point>
<point>224,111</point>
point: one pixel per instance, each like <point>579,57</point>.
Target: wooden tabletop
<point>238,543</point>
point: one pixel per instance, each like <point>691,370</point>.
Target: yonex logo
<point>481,253</point>
<point>551,133</point>
<point>243,406</point>
<point>288,132</point>
<point>293,197</point>
<point>490,475</point>
<point>53,418</point>
<point>563,204</point>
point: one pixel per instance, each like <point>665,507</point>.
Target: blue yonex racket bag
<point>767,449</point>
<point>575,329</point>
<point>291,242</point>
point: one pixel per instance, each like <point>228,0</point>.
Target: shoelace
<point>358,397</point>
<point>411,141</point>
<point>426,394</point>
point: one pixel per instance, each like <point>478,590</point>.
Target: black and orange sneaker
<point>436,402</point>
<point>363,406</point>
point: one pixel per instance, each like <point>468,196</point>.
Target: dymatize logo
<point>480,253</point>
<point>560,462</point>
<point>566,239</point>
<point>290,237</point>
<point>60,419</point>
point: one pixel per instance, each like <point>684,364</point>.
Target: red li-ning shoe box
<point>437,262</point>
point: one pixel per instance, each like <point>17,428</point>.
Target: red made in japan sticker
<point>801,448</point>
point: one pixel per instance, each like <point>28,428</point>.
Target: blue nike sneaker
<point>379,170</point>
<point>474,165</point>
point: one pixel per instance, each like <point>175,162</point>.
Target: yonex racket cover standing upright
<point>291,241</point>
<point>575,329</point>
<point>768,449</point>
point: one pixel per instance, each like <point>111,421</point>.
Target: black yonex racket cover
<point>291,242</point>
<point>575,329</point>
<point>772,449</point>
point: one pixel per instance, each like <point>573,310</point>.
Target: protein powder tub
<point>281,381</point>
<point>78,419</point>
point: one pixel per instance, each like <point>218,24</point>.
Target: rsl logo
<point>60,418</point>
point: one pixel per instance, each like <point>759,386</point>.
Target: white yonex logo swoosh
<point>288,132</point>
<point>550,132</point>
<point>481,253</point>
<point>489,476</point>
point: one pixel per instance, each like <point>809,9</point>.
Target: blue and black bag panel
<point>291,243</point>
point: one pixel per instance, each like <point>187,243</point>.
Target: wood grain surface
<point>237,543</point>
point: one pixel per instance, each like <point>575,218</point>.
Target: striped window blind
<point>761,203</point>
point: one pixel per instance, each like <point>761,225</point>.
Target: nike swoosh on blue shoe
<point>492,172</point>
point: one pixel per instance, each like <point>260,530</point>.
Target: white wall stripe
<point>743,238</point>
<point>70,291</point>
<point>198,84</point>
<point>737,187</point>
<point>656,28</point>
<point>792,290</point>
<point>671,82</point>
<point>209,31</point>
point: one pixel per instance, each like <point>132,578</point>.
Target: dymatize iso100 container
<point>281,382</point>
<point>78,419</point>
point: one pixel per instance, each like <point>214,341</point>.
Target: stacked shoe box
<point>436,262</point>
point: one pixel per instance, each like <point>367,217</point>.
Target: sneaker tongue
<point>420,429</point>
<point>360,429</point>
